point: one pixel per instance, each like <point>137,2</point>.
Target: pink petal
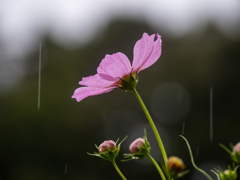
<point>84,92</point>
<point>155,54</point>
<point>105,76</point>
<point>95,81</point>
<point>116,65</point>
<point>122,57</point>
<point>142,50</point>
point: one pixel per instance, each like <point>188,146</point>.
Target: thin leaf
<point>194,165</point>
<point>93,154</point>
<point>96,146</point>
<point>122,142</point>
<point>125,160</point>
<point>236,168</point>
<point>181,174</point>
<point>225,148</point>
<point>216,174</point>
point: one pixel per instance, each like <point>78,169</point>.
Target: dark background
<point>51,142</point>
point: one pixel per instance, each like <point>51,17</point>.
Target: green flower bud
<point>228,174</point>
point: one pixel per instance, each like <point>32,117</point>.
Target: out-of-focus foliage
<point>39,144</point>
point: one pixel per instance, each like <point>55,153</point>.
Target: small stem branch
<point>157,166</point>
<point>153,127</point>
<point>118,170</point>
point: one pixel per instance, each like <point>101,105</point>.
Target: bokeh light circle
<point>170,103</point>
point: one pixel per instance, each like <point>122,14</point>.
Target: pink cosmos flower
<point>115,68</point>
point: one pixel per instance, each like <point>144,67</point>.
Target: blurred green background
<point>51,142</point>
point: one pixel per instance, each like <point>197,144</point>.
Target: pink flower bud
<point>135,146</point>
<point>107,145</point>
<point>236,148</point>
<point>175,164</point>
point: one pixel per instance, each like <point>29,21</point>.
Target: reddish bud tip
<point>175,164</point>
<point>107,145</point>
<point>135,146</point>
<point>236,148</point>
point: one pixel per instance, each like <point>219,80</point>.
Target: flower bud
<point>107,145</point>
<point>175,165</point>
<point>228,175</point>
<point>236,153</point>
<point>135,146</point>
<point>236,148</point>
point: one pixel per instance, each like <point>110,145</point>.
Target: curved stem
<point>216,174</point>
<point>153,126</point>
<point>194,165</point>
<point>157,166</point>
<point>118,170</point>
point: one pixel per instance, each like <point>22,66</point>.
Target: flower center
<point>128,82</point>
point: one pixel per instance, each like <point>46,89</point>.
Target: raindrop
<point>66,166</point>
<point>183,127</point>
<point>39,74</point>
<point>197,152</point>
<point>211,114</point>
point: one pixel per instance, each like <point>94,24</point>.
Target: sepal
<point>141,152</point>
<point>235,155</point>
<point>128,82</point>
<point>109,155</point>
<point>175,168</point>
<point>228,174</point>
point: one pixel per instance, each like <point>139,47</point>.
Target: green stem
<point>216,174</point>
<point>194,165</point>
<point>153,126</point>
<point>118,170</point>
<point>157,166</point>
